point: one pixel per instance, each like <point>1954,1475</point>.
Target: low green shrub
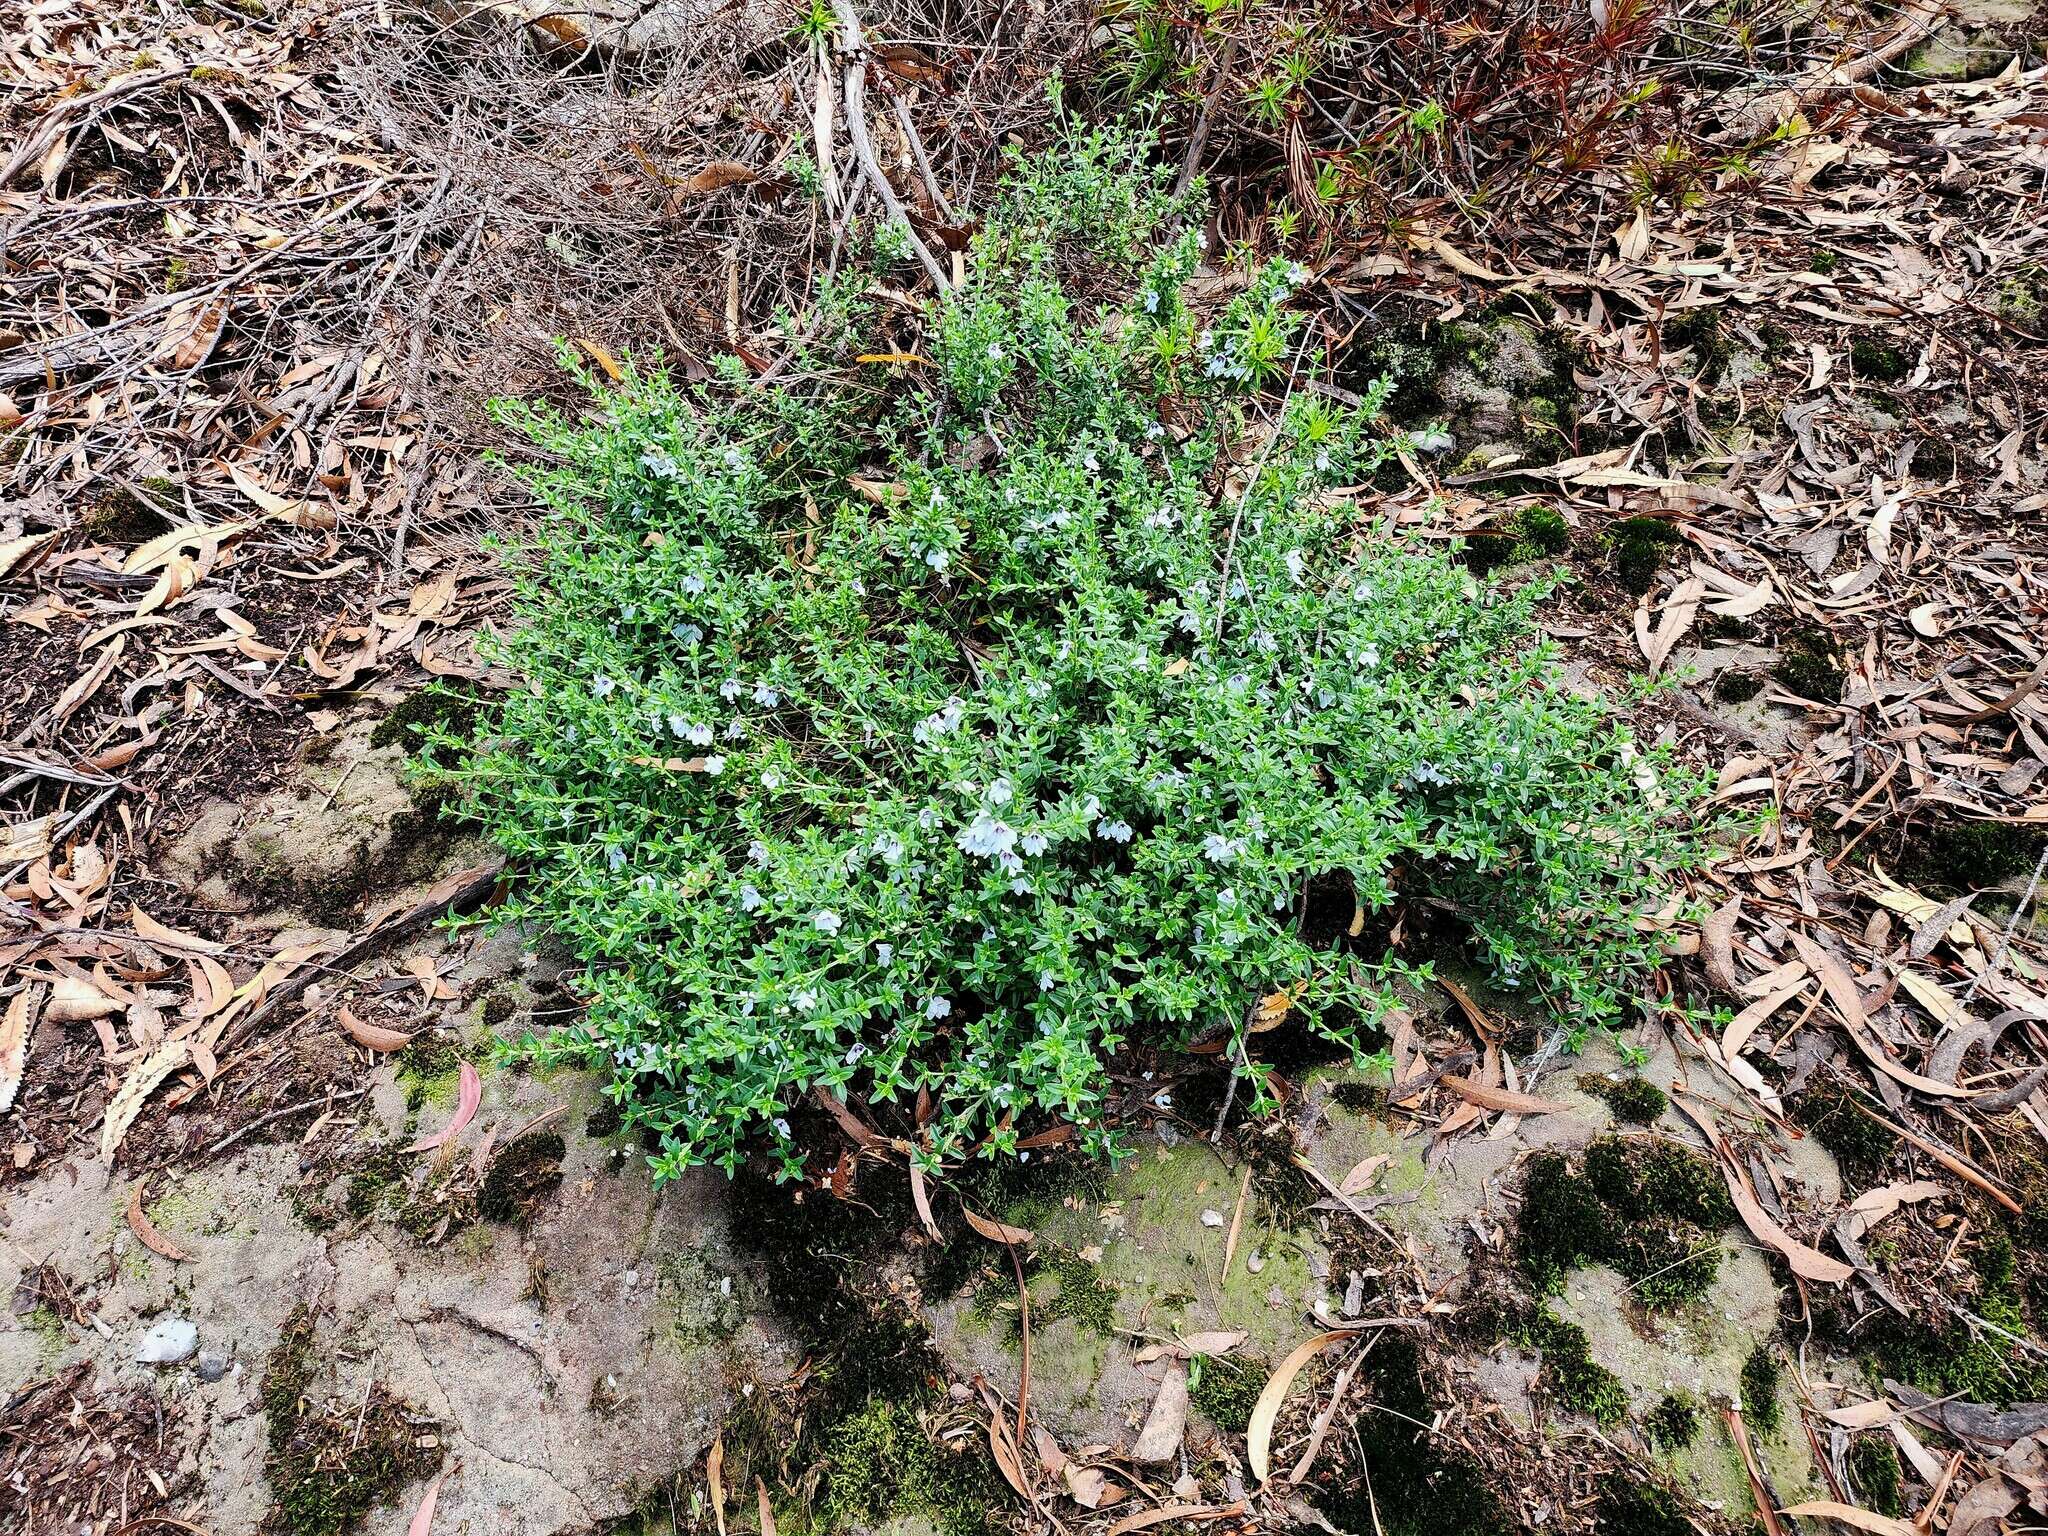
<point>927,731</point>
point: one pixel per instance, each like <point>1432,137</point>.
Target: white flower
<point>766,696</point>
<point>942,723</point>
<point>1369,657</point>
<point>771,780</point>
<point>885,953</point>
<point>937,1008</point>
<point>890,847</point>
<point>757,853</point>
<point>689,634</point>
<point>805,1000</point>
<point>1151,301</point>
<point>1090,463</point>
<point>1045,981</point>
<point>853,1056</point>
<point>825,920</point>
<point>1296,565</point>
<point>987,838</point>
<point>781,1128</point>
<point>693,585</point>
<point>1000,792</point>
<point>658,464</point>
<point>1033,843</point>
<point>1226,897</point>
<point>1218,849</point>
<point>937,559</point>
<point>714,766</point>
<point>731,689</point>
<point>995,352</point>
<point>735,729</point>
<point>751,900</point>
<point>734,458</point>
<point>602,685</point>
<point>1113,831</point>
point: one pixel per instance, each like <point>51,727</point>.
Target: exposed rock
<point>169,1342</point>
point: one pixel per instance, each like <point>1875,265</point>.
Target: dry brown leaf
<point>1849,1514</point>
<point>1362,1173</point>
<point>1159,1441</point>
<point>997,1231</point>
<point>921,1198</point>
<point>1266,1411</point>
<point>14,1028</point>
<point>1214,1341</point>
<point>717,175</point>
<point>713,1466</point>
<point>1717,943</point>
<point>1809,1263</point>
<point>374,1037</point>
<point>767,1507</point>
<point>135,1090</point>
<point>422,1520</point>
<point>1488,1097</point>
<point>154,932</point>
<point>145,1230</point>
<point>74,1000</point>
<point>14,551</point>
<point>1168,1513</point>
<point>1085,1485</point>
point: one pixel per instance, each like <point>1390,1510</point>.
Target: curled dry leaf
<point>1085,1485</point>
<point>1849,1514</point>
<point>135,1090</point>
<point>1717,939</point>
<point>13,1047</point>
<point>14,551</point>
<point>1214,1341</point>
<point>149,929</point>
<point>1168,1513</point>
<point>1486,1096</point>
<point>1266,1411</point>
<point>997,1231</point>
<point>717,175</point>
<point>423,1518</point>
<point>373,1036</point>
<point>74,1000</point>
<point>469,1094</point>
<point>146,1232</point>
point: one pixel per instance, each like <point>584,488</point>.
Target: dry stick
<point>33,146</point>
<point>854,94</point>
<point>924,164</point>
<point>1192,162</point>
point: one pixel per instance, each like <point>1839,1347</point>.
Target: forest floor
<point>287,1248</point>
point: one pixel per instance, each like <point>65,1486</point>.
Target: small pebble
<point>210,1366</point>
<point>1212,1218</point>
<point>171,1342</point>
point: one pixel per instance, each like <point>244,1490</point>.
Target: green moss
<point>1638,547</point>
<point>1361,1098</point>
<point>1485,552</point>
<point>881,1462</point>
<point>1082,1293</point>
<point>1822,260</point>
<point>499,1006</point>
<point>177,272</point>
<point>1543,530</point>
<point>1809,666</point>
<point>121,516</point>
<point>1873,1466</point>
<point>2020,301</point>
<point>427,1068</point>
<point>1579,1382</point>
<point>1225,1389</point>
<point>428,719</point>
<point>1860,1145</point>
<point>328,1465</point>
<point>1634,1099</point>
<point>1630,1504</point>
<point>1700,330</point>
<point>1647,1208</point>
<point>1674,1422</point>
<point>1760,1373</point>
<point>1413,1484</point>
<point>519,1176</point>
<point>1960,855</point>
<point>1878,362</point>
<point>1737,687</point>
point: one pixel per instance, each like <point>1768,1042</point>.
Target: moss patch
<point>1412,1485</point>
<point>520,1177</point>
<point>1760,1373</point>
<point>1674,1422</point>
<point>1809,666</point>
<point>1578,1381</point>
<point>1632,1505</point>
<point>883,1463</point>
<point>1958,855</point>
<point>1224,1390</point>
<point>1634,1099</point>
<point>1878,361</point>
<point>1649,1209</point>
<point>1638,547</point>
<point>1862,1148</point>
<point>329,1464</point>
<point>1873,1467</point>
